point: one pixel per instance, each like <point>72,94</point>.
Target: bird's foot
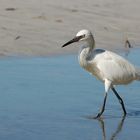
<point>98,116</point>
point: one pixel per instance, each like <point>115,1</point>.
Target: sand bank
<point>40,27</point>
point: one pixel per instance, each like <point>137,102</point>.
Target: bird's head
<point>82,35</point>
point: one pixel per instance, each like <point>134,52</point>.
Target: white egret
<point>107,66</point>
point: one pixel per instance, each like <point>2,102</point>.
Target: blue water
<point>52,98</point>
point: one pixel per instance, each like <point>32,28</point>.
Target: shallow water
<point>53,99</point>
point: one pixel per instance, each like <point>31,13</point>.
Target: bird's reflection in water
<point>115,133</point>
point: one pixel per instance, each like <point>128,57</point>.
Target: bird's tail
<point>138,73</point>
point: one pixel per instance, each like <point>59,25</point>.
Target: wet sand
<point>40,27</point>
<point>53,98</point>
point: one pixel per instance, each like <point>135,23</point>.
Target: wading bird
<point>107,66</point>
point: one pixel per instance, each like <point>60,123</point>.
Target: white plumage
<point>107,66</point>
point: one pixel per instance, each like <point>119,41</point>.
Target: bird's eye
<point>83,35</point>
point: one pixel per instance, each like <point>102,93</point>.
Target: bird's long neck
<point>85,52</point>
<point>91,43</point>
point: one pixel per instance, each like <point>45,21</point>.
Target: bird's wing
<point>115,67</point>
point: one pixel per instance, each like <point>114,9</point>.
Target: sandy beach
<point>40,27</point>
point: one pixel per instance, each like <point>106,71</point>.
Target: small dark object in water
<point>128,43</point>
<point>10,9</point>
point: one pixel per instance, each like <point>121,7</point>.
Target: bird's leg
<point>103,107</point>
<point>120,100</point>
<point>107,87</point>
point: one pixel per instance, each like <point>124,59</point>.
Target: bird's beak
<point>75,39</point>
